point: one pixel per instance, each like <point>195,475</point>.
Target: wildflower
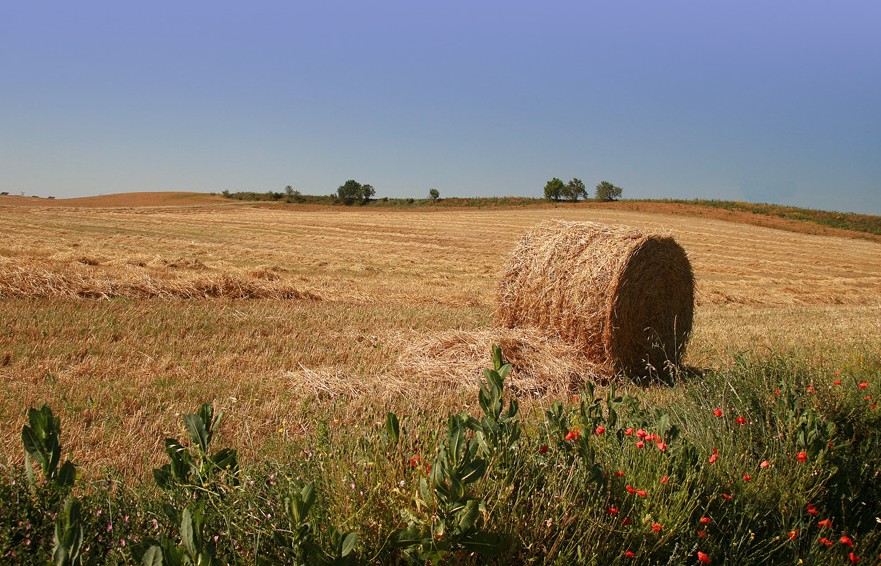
<point>864,384</point>
<point>641,433</point>
<point>619,474</point>
<point>776,392</point>
<point>811,389</point>
<point>793,534</point>
<point>702,534</point>
<point>764,464</point>
<point>629,489</point>
<point>657,527</point>
<point>826,541</point>
<point>613,510</point>
<point>600,430</point>
<point>846,540</point>
<point>813,510</point>
<point>414,461</point>
<point>640,443</point>
<point>703,557</point>
<point>802,456</point>
<point>854,558</point>
<point>543,449</point>
<point>727,496</point>
<point>746,477</point>
<point>626,522</point>
<point>867,398</point>
<point>740,420</point>
<point>705,521</point>
<point>717,412</point>
<point>427,469</point>
<point>661,446</point>
<point>573,435</point>
<point>713,457</point>
<point>629,431</point>
<point>825,524</point>
<point>649,437</point>
<point>641,492</point>
<point>836,382</point>
<point>665,479</point>
<point>629,554</point>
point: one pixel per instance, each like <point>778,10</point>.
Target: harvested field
<point>407,299</point>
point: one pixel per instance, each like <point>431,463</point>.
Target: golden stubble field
<point>282,313</point>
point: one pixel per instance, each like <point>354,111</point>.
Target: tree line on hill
<point>556,191</point>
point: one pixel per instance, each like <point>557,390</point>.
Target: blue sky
<point>760,101</point>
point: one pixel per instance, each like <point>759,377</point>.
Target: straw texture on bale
<point>623,298</point>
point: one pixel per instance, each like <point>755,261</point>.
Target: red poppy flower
<point>793,534</point>
<point>640,443</point>
<point>661,446</point>
<point>864,384</point>
<point>629,431</point>
<point>619,474</point>
<point>740,420</point>
<point>703,557</point>
<point>717,412</point>
<point>702,534</point>
<point>726,496</point>
<point>846,540</point>
<point>600,429</point>
<point>649,437</point>
<point>573,435</point>
<point>826,541</point>
<point>414,461</point>
<point>641,492</point>
<point>665,479</point>
<point>629,554</point>
<point>854,558</point>
<point>543,449</point>
<point>746,477</point>
<point>613,510</point>
<point>641,433</point>
<point>626,521</point>
<point>705,521</point>
<point>810,389</point>
<point>812,510</point>
<point>836,382</point>
<point>427,469</point>
<point>802,456</point>
<point>657,527</point>
<point>765,464</point>
<point>825,523</point>
<point>776,392</point>
<point>629,489</point>
<point>713,457</point>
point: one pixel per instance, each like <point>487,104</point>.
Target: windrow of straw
<point>86,282</point>
<point>623,298</point>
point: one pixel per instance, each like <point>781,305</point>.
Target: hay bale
<point>623,298</point>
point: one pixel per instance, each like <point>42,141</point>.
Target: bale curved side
<point>623,298</point>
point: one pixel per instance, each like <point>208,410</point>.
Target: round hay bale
<point>623,298</point>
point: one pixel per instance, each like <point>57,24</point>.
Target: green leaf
<point>468,516</point>
<point>408,538</point>
<point>66,475</point>
<point>487,544</point>
<point>152,557</point>
<point>33,445</point>
<point>392,428</point>
<point>198,433</point>
<point>350,539</point>
<point>186,533</point>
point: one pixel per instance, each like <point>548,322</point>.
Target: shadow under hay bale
<point>621,297</point>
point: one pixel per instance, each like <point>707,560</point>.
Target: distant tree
<point>607,192</point>
<point>292,195</point>
<point>352,191</point>
<point>554,189</point>
<point>433,194</point>
<point>574,189</point>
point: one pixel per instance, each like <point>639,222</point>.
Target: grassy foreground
<point>767,461</point>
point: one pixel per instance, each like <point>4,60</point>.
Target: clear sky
<point>762,101</point>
